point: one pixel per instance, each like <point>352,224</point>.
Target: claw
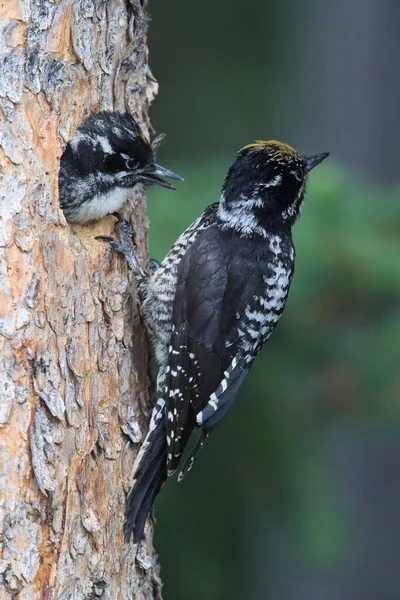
<point>105,238</point>
<point>114,243</point>
<point>124,230</point>
<point>154,264</point>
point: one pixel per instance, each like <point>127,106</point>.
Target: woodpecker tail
<point>188,464</point>
<point>150,473</point>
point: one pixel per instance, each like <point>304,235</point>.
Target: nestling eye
<point>132,164</point>
<point>299,174</point>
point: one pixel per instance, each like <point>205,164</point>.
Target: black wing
<point>217,280</point>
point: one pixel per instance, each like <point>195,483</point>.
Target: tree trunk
<point>74,388</point>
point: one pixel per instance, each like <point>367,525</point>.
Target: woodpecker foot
<point>124,245</point>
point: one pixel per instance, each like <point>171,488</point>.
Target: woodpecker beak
<point>312,161</point>
<point>154,176</point>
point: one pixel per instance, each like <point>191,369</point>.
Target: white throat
<point>102,204</point>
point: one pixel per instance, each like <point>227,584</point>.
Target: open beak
<point>313,161</point>
<point>154,176</point>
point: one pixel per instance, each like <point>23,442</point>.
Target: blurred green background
<point>297,494</point>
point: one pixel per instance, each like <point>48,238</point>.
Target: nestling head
<point>108,156</point>
<point>267,181</point>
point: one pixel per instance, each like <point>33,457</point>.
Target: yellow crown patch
<point>273,147</point>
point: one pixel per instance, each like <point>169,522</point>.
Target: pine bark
<point>74,389</point>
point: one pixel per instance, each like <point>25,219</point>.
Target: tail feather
<point>148,501</point>
<point>188,464</point>
<point>150,474</point>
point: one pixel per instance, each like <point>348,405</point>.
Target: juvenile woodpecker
<point>108,156</point>
<point>211,306</point>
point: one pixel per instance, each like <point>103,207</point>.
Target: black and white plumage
<point>211,306</point>
<point>108,156</point>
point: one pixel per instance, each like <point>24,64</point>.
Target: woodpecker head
<point>108,156</point>
<point>266,184</point>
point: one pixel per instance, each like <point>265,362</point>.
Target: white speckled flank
<point>158,303</point>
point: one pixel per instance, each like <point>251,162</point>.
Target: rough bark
<point>73,352</point>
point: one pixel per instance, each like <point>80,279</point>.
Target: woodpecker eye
<point>299,174</point>
<point>132,164</point>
